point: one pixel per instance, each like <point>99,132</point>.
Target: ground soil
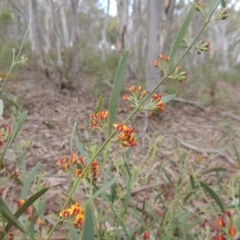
<point>188,131</point>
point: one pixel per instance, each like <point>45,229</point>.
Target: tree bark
<point>166,26</point>
<point>153,43</point>
<point>75,24</point>
<point>35,37</point>
<point>64,27</point>
<point>104,33</point>
<point>122,21</point>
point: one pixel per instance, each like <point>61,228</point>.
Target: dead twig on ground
<point>231,115</point>
<point>197,105</point>
<point>206,152</point>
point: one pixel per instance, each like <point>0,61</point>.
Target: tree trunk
<point>75,24</point>
<point>153,43</point>
<point>104,33</point>
<point>35,37</point>
<point>64,27</point>
<point>166,26</point>
<point>122,21</point>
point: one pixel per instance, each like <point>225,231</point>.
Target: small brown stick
<point>197,105</point>
<point>228,114</point>
<point>206,152</point>
<point>145,187</point>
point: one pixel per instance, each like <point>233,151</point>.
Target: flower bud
<point>155,63</point>
<point>221,222</point>
<point>146,235</point>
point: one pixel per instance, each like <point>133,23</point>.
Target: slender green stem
<point>199,185</point>
<point>54,227</point>
<point>14,60</point>
<point>24,38</point>
<point>190,46</point>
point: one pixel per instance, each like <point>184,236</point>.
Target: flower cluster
<point>158,103</point>
<point>202,47</point>
<point>221,15</point>
<point>98,119</point>
<point>76,165</point>
<point>228,226</point>
<point>178,74</point>
<point>137,94</point>
<point>125,135</point>
<point>5,133</point>
<point>31,216</point>
<point>75,213</point>
<point>200,6</point>
<point>162,63</point>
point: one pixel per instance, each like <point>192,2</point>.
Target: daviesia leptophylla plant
<point>78,221</point>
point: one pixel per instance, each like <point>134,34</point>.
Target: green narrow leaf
<point>117,86</point>
<point>102,189</point>
<point>223,4</point>
<point>217,169</point>
<point>80,146</point>
<point>8,215</point>
<point>100,105</point>
<point>128,196</point>
<point>72,136</point>
<point>88,229</point>
<point>214,196</point>
<point>180,36</point>
<point>113,193</point>
<point>121,223</point>
<point>167,176</point>
<point>192,182</point>
<point>30,230</point>
<point>19,125</point>
<point>29,181</point>
<point>24,207</point>
<point>212,7</point>
<point>168,98</point>
<point>237,154</point>
<point>1,108</point>
<point>17,129</point>
<point>73,232</point>
<point>41,207</point>
<point>168,237</point>
<point>126,168</point>
<point>188,196</point>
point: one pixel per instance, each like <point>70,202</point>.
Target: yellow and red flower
<point>98,118</point>
<point>5,134</point>
<point>76,165</point>
<point>125,135</point>
<point>76,212</point>
<point>158,103</point>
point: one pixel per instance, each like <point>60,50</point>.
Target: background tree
<point>153,42</point>
<point>72,38</point>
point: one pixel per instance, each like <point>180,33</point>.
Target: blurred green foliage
<point>102,69</point>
